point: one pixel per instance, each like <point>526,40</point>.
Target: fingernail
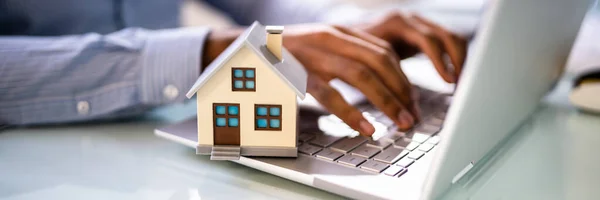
<point>366,127</point>
<point>406,120</point>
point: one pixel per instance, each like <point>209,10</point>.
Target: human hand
<point>410,34</point>
<point>359,59</point>
<point>366,57</point>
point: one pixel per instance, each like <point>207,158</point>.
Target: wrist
<point>216,42</point>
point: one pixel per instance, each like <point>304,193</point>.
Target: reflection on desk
<point>126,161</point>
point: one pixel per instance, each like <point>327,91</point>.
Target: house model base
<point>247,98</point>
<point>232,152</point>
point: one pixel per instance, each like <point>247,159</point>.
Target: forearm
<point>74,78</point>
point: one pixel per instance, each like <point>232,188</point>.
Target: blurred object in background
<point>585,94</point>
<point>197,13</point>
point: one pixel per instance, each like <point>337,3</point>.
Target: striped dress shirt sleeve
<point>93,76</point>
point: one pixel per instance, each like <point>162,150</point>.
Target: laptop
<point>517,55</point>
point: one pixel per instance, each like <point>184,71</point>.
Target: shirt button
<point>170,92</point>
<point>83,107</point>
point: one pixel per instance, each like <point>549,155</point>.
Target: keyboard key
<point>417,137</point>
<point>405,162</point>
<point>381,144</point>
<point>351,160</point>
<point>402,172</point>
<point>366,108</point>
<point>386,121</point>
<point>392,170</point>
<point>406,144</point>
<point>402,143</point>
<point>391,155</point>
<point>376,113</point>
<point>440,115</point>
<point>365,151</point>
<point>323,140</point>
<point>427,109</point>
<point>447,99</point>
<point>426,147</point>
<point>427,129</point>
<point>415,154</point>
<point>374,166</point>
<point>328,154</point>
<point>305,137</point>
<point>340,129</point>
<point>392,136</point>
<point>344,131</point>
<point>367,114</point>
<point>380,129</point>
<point>308,149</point>
<point>434,122</point>
<point>334,118</point>
<point>434,140</point>
<point>347,144</point>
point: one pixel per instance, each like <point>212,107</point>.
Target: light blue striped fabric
<point>117,56</point>
<point>44,78</point>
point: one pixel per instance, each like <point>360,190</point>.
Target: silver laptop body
<point>518,54</point>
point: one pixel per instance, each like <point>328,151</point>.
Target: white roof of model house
<point>290,70</point>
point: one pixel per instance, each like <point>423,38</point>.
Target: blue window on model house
<point>243,79</point>
<point>267,117</point>
<point>227,115</point>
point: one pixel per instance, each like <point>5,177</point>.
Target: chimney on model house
<point>274,40</point>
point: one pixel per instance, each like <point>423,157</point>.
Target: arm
<point>366,56</point>
<point>91,76</point>
<point>108,75</point>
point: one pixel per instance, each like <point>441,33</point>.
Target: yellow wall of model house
<point>270,89</point>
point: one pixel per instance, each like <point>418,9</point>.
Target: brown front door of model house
<point>226,124</point>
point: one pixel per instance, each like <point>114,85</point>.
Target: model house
<point>247,98</point>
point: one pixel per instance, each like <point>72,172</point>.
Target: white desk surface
<point>126,161</point>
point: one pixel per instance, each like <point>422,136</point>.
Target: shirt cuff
<point>171,64</point>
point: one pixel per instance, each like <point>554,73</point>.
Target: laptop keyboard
<point>391,154</point>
